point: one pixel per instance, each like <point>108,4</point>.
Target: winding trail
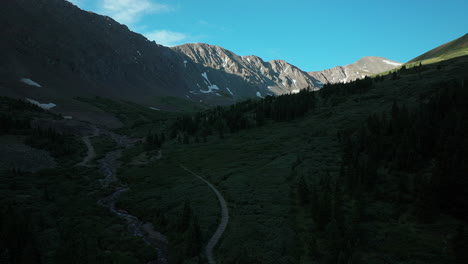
<point>91,154</point>
<point>224,218</point>
<point>108,166</point>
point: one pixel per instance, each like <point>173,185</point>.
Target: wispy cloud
<point>130,11</point>
<point>167,37</point>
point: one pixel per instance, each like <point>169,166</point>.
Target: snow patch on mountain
<point>29,82</point>
<point>47,106</point>
<point>392,63</point>
<point>210,89</point>
<point>211,86</point>
<point>205,76</point>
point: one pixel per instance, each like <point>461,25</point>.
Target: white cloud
<point>166,37</point>
<point>130,11</point>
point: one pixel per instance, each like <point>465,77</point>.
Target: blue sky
<point>311,34</point>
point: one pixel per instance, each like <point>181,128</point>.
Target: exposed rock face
<point>72,52</point>
<point>363,67</point>
<point>272,77</point>
<point>53,50</point>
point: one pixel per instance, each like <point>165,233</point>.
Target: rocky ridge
<point>255,76</point>
<point>365,66</point>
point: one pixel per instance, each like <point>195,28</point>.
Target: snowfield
<point>29,82</point>
<point>211,87</point>
<point>392,63</point>
<point>229,91</point>
<point>47,106</point>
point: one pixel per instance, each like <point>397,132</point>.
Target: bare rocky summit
<point>255,77</point>
<point>363,67</point>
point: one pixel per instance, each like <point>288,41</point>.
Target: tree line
<point>425,151</point>
<point>414,159</point>
<point>243,115</point>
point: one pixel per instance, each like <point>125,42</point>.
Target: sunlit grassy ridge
<point>452,49</point>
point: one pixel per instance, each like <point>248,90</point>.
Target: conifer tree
<point>193,239</point>
<point>185,217</point>
<point>303,191</point>
<point>459,244</point>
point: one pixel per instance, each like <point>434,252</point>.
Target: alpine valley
<point>115,149</point>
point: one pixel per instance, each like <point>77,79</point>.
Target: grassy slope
<point>452,49</point>
<point>447,51</point>
<point>254,170</point>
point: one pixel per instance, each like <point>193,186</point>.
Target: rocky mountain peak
<point>363,67</point>
<point>266,78</point>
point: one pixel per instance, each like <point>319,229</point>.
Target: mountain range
<point>365,66</point>
<point>263,78</point>
<point>70,52</point>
